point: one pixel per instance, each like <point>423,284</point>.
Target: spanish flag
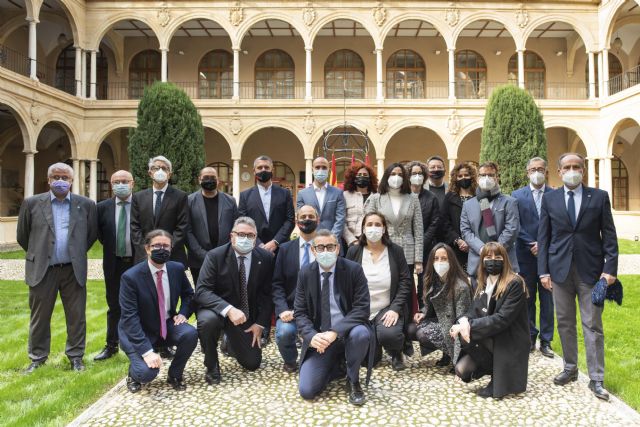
<point>333,179</point>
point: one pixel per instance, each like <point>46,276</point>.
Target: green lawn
<point>628,246</point>
<point>94,253</point>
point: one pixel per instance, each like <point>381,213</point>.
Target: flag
<point>353,158</point>
<point>333,177</point>
<point>366,159</point>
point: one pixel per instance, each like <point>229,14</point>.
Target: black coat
<point>451,212</point>
<point>431,220</point>
<point>277,224</point>
<point>285,276</point>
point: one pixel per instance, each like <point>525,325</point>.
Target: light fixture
<point>437,52</point>
<point>62,38</point>
<point>181,52</point>
<point>245,52</point>
<point>202,75</point>
<point>617,44</point>
<point>498,52</point>
<point>559,53</point>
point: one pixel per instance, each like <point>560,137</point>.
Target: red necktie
<point>161,308</point>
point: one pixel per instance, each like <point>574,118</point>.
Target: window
<point>215,75</point>
<point>275,74</point>
<point>620,183</point>
<point>66,72</point>
<point>534,73</point>
<point>406,75</point>
<point>283,176</point>
<point>225,176</point>
<point>615,69</point>
<point>143,71</point>
<point>471,75</point>
<point>344,75</point>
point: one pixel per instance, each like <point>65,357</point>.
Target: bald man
<point>114,232</point>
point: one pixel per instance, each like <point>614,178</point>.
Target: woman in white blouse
<point>389,282</point>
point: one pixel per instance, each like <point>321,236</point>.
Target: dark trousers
<point>183,336</point>
<point>391,338</point>
<point>211,325</point>
<point>318,369</point>
<point>546,309</point>
<point>195,273</point>
<point>42,300</point>
<point>112,284</point>
<point>476,360</point>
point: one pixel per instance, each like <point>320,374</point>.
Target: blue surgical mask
<point>121,190</point>
<point>321,175</point>
<point>60,187</point>
<point>326,259</point>
<point>244,245</point>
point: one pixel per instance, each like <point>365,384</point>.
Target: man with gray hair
<point>56,229</point>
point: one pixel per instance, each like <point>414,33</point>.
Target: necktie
<point>325,311</point>
<point>161,307</point>
<point>538,200</point>
<point>121,232</point>
<point>244,298</point>
<point>156,210</point>
<point>305,255</point>
<point>571,208</point>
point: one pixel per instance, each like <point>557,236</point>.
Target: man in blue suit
<point>577,245</point>
<point>149,293</point>
<point>326,199</point>
<point>529,200</point>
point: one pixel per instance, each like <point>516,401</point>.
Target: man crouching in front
<point>149,293</point>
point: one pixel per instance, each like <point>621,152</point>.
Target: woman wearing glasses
<point>360,182</point>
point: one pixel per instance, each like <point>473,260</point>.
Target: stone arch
<point>216,125</point>
<point>105,131</point>
<point>578,27</point>
<point>21,116</point>
<point>616,128</point>
<point>369,26</point>
<point>167,35</point>
<point>399,125</point>
<point>244,28</point>
<point>441,26</point>
<point>71,12</point>
<point>511,28</point>
<point>463,133</point>
<point>584,135</point>
<point>606,30</point>
<point>236,150</point>
<point>417,150</point>
<point>315,136</point>
<point>66,125</point>
<point>111,20</point>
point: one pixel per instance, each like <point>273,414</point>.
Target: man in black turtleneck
<point>435,182</point>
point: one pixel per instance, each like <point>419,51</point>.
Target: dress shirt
<point>336,314</point>
<point>312,257</point>
<point>577,198</point>
<point>164,190</point>
<point>534,194</point>
<point>247,269</point>
<point>61,213</point>
<point>378,274</point>
<point>321,193</point>
<point>265,196</point>
<point>165,285</point>
<point>127,207</point>
<point>492,282</point>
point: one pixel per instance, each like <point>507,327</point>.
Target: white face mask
<point>417,179</point>
<point>395,181</point>
<point>374,234</point>
<point>572,178</point>
<point>160,176</point>
<point>441,268</point>
<point>537,178</point>
<point>486,183</point>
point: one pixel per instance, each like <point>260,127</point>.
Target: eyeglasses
<point>243,235</point>
<point>121,181</point>
<point>160,246</point>
<point>60,177</point>
<point>541,170</point>
<point>155,168</point>
<point>322,248</point>
<point>488,175</point>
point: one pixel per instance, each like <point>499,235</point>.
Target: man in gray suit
<point>56,229</point>
<point>326,199</point>
<point>489,217</point>
<point>212,214</point>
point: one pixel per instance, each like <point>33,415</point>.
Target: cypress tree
<point>513,133</point>
<point>168,125</point>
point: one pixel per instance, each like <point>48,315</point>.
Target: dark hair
<point>350,177</point>
<point>323,232</point>
<point>563,155</point>
<point>383,187</point>
<point>491,165</point>
<point>438,158</point>
<point>422,167</point>
<point>455,274</point>
<point>156,233</point>
<point>386,240</point>
<point>453,177</point>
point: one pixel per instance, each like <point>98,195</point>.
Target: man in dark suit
<point>331,311</point>
<point>211,214</point>
<point>160,207</point>
<point>149,295</point>
<point>577,245</point>
<point>233,295</point>
<point>56,229</point>
<point>529,200</point>
<point>114,232</point>
<point>292,256</point>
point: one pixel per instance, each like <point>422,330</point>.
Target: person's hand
<point>330,336</point>
<point>286,316</point>
<point>153,360</point>
<point>454,331</point>
<point>546,282</point>
<point>418,268</point>
<point>534,248</point>
<point>465,331</point>
<point>236,316</point>
<point>390,318</point>
<point>418,317</point>
<point>256,330</point>
<point>270,246</point>
<point>463,246</point>
<point>610,279</point>
<point>179,319</point>
<point>320,342</point>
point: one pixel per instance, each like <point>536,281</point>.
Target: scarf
<point>488,225</point>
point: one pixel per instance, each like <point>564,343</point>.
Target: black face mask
<point>436,174</point>
<point>493,266</point>
<point>209,184</point>
<point>160,256</point>
<point>264,176</point>
<point>362,181</point>
<point>464,182</point>
<point>307,226</point>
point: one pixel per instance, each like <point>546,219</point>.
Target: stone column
<point>78,74</point>
<point>605,72</point>
<point>380,77</point>
<point>33,49</point>
<point>600,76</point>
<point>75,187</point>
<point>236,179</point>
<point>83,74</point>
<point>93,180</point>
<point>92,88</point>
<point>308,171</point>
<point>380,170</point>
<point>452,163</point>
<point>592,76</point>
<point>236,75</point>
<point>605,175</point>
<point>163,65</point>
<point>521,68</point>
<point>29,178</point>
<point>308,76</point>
<point>452,73</point>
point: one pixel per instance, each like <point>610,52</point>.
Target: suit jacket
<point>592,244</point>
<point>333,212</point>
<point>450,224</point>
<point>507,222</point>
<point>354,212</point>
<point>106,210</point>
<point>278,225</point>
<point>140,318</point>
<point>405,229</point>
<point>350,291</point>
<point>219,283</point>
<point>528,229</point>
<point>431,220</point>
<point>174,219</point>
<point>198,239</point>
<point>285,276</point>
<point>36,235</point>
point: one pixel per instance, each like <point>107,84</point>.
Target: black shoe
<point>108,352</point>
<point>166,352</point>
<point>444,361</point>
<point>486,392</point>
<point>597,387</point>
<point>77,364</point>
<point>133,386</point>
<point>34,365</point>
<point>356,395</point>
<point>290,368</point>
<point>224,346</point>
<point>213,376</point>
<point>263,342</point>
<point>545,349</point>
<point>532,348</point>
<point>397,362</point>
<point>408,348</point>
<point>565,377</point>
<point>177,383</point>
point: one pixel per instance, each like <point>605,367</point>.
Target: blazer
<point>219,283</point>
<point>450,224</point>
<point>174,219</point>
<point>198,239</point>
<point>401,280</point>
<point>507,222</point>
<point>140,318</point>
<point>36,234</point>
<point>332,214</point>
<point>106,212</point>
<point>592,244</point>
<point>354,211</point>
<point>528,233</point>
<point>405,230</point>
<point>431,220</point>
<point>350,291</point>
<point>285,276</point>
<point>279,224</point>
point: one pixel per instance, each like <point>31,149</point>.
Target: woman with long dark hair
<point>360,182</point>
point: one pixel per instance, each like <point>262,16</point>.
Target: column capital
<point>31,19</point>
<point>308,49</point>
<point>30,152</point>
<point>451,49</point>
<point>164,49</point>
<point>235,159</point>
<point>522,49</point>
<point>236,49</point>
<point>378,50</point>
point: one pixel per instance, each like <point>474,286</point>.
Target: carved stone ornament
<point>36,113</point>
<point>452,15</point>
<point>380,122</point>
<point>235,124</point>
<point>164,16</point>
<point>309,123</point>
<point>309,15</point>
<point>453,123</point>
<point>379,14</point>
<point>522,17</point>
<point>236,14</point>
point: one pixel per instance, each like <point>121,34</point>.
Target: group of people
<point>343,291</point>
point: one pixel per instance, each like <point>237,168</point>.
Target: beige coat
<point>354,203</point>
